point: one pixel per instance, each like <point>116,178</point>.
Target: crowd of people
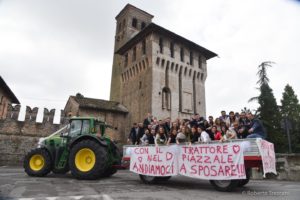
<point>196,130</point>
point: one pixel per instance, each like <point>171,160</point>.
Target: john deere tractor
<point>80,147</point>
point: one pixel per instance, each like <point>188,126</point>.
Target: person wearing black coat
<point>133,135</point>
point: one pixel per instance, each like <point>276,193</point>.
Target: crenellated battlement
<point>20,131</point>
<point>48,115</point>
<point>30,125</point>
<point>31,114</point>
<point>13,113</point>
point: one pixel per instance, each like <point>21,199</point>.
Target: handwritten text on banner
<point>154,161</point>
<point>212,161</point>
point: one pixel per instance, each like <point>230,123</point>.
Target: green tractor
<point>80,147</point>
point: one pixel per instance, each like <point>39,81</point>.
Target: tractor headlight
<point>40,142</point>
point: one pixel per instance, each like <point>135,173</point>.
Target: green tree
<point>290,109</point>
<point>268,110</point>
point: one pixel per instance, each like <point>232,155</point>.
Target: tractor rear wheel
<point>109,172</point>
<point>37,162</point>
<point>87,160</point>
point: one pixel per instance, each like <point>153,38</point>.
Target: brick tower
<point>156,70</point>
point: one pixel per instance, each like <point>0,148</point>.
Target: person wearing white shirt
<point>204,136</point>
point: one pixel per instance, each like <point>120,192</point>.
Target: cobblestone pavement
<point>15,184</point>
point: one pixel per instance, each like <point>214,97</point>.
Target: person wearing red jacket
<point>217,134</point>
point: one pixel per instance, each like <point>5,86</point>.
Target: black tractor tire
<point>38,162</point>
<point>224,185</point>
<point>109,172</point>
<point>243,182</point>
<point>100,159</point>
<point>64,170</point>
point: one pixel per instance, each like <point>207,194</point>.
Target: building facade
<point>113,113</point>
<point>156,70</point>
<point>7,97</point>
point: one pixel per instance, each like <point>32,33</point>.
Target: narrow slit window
<point>134,22</point>
<point>172,49</point>
<point>144,47</point>
<point>134,54</point>
<point>161,45</point>
<point>181,54</point>
<point>126,60</point>
<point>191,58</point>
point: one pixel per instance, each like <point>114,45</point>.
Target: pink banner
<point>266,150</point>
<point>154,161</point>
<point>212,161</point>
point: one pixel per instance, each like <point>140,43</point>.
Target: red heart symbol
<point>140,159</point>
<point>236,148</point>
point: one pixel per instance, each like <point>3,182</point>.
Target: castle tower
<point>156,70</point>
<point>129,22</point>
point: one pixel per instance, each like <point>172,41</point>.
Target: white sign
<point>154,161</point>
<point>212,161</point>
<point>266,150</point>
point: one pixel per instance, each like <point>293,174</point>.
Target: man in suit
<point>133,135</point>
<point>140,133</point>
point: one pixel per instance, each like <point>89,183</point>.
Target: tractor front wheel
<point>87,160</point>
<point>37,162</point>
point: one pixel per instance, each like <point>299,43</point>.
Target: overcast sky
<point>56,48</point>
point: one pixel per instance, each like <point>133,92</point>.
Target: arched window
<point>166,98</point>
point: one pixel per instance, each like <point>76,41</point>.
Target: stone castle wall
<point>19,137</point>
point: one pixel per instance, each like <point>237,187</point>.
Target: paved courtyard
<point>15,184</point>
